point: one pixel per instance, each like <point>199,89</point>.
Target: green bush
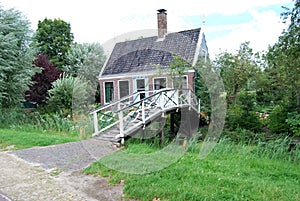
<point>293,121</point>
<point>242,114</point>
<point>278,118</point>
<point>12,116</point>
<point>69,95</point>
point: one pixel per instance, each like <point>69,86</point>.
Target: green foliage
<point>243,114</point>
<point>284,56</point>
<point>20,119</point>
<point>85,60</point>
<point>293,121</point>
<point>179,66</point>
<point>278,118</point>
<point>11,116</point>
<point>53,122</point>
<point>214,87</point>
<point>238,70</point>
<point>15,57</point>
<point>201,91</point>
<point>69,95</point>
<point>54,39</point>
<point>277,149</point>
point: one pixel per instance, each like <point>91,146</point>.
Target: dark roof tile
<point>148,53</point>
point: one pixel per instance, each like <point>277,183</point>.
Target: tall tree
<point>284,56</point>
<point>15,57</point>
<point>85,60</point>
<point>238,70</point>
<point>38,92</point>
<point>54,39</point>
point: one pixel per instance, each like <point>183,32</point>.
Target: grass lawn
<point>230,172</point>
<point>25,139</point>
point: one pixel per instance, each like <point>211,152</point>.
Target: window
<point>140,85</point>
<point>159,83</point>
<point>123,88</point>
<point>109,91</point>
<point>180,82</point>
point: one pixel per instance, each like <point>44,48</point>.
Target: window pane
<point>109,91</point>
<point>140,85</point>
<point>180,82</point>
<point>123,88</point>
<point>159,83</point>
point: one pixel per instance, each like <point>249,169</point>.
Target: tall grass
<point>232,171</point>
<point>19,119</point>
<point>279,149</point>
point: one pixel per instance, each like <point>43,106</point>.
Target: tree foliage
<point>238,70</point>
<point>15,57</point>
<point>38,92</point>
<point>242,114</point>
<point>85,60</point>
<point>284,56</point>
<point>54,39</point>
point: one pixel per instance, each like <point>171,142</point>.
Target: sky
<point>226,24</point>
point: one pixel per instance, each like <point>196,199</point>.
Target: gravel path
<point>52,173</point>
<point>68,157</point>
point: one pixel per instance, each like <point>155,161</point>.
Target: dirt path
<point>31,174</point>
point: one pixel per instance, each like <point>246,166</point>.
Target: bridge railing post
<point>199,106</point>
<point>143,112</point>
<point>190,99</point>
<point>121,123</point>
<point>95,118</point>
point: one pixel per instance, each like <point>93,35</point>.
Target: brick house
<point>143,64</point>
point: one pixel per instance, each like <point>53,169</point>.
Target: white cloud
<point>99,21</point>
<point>262,31</point>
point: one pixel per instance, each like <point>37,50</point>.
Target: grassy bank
<point>230,172</point>
<point>22,138</point>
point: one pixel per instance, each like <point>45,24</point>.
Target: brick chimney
<point>162,23</point>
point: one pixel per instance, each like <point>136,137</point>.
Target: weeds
<point>278,149</point>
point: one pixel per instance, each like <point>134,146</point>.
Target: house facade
<point>143,65</point>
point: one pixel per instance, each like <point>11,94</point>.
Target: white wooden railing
<point>129,113</point>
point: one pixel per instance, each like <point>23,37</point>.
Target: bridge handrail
<point>120,107</point>
<point>146,98</point>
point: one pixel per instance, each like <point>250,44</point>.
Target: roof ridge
<point>126,41</point>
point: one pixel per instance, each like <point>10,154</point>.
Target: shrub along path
<point>23,175</point>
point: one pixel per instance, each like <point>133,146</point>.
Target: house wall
<point>116,87</point>
<point>190,76</point>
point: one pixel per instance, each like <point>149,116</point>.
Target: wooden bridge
<point>123,118</point>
